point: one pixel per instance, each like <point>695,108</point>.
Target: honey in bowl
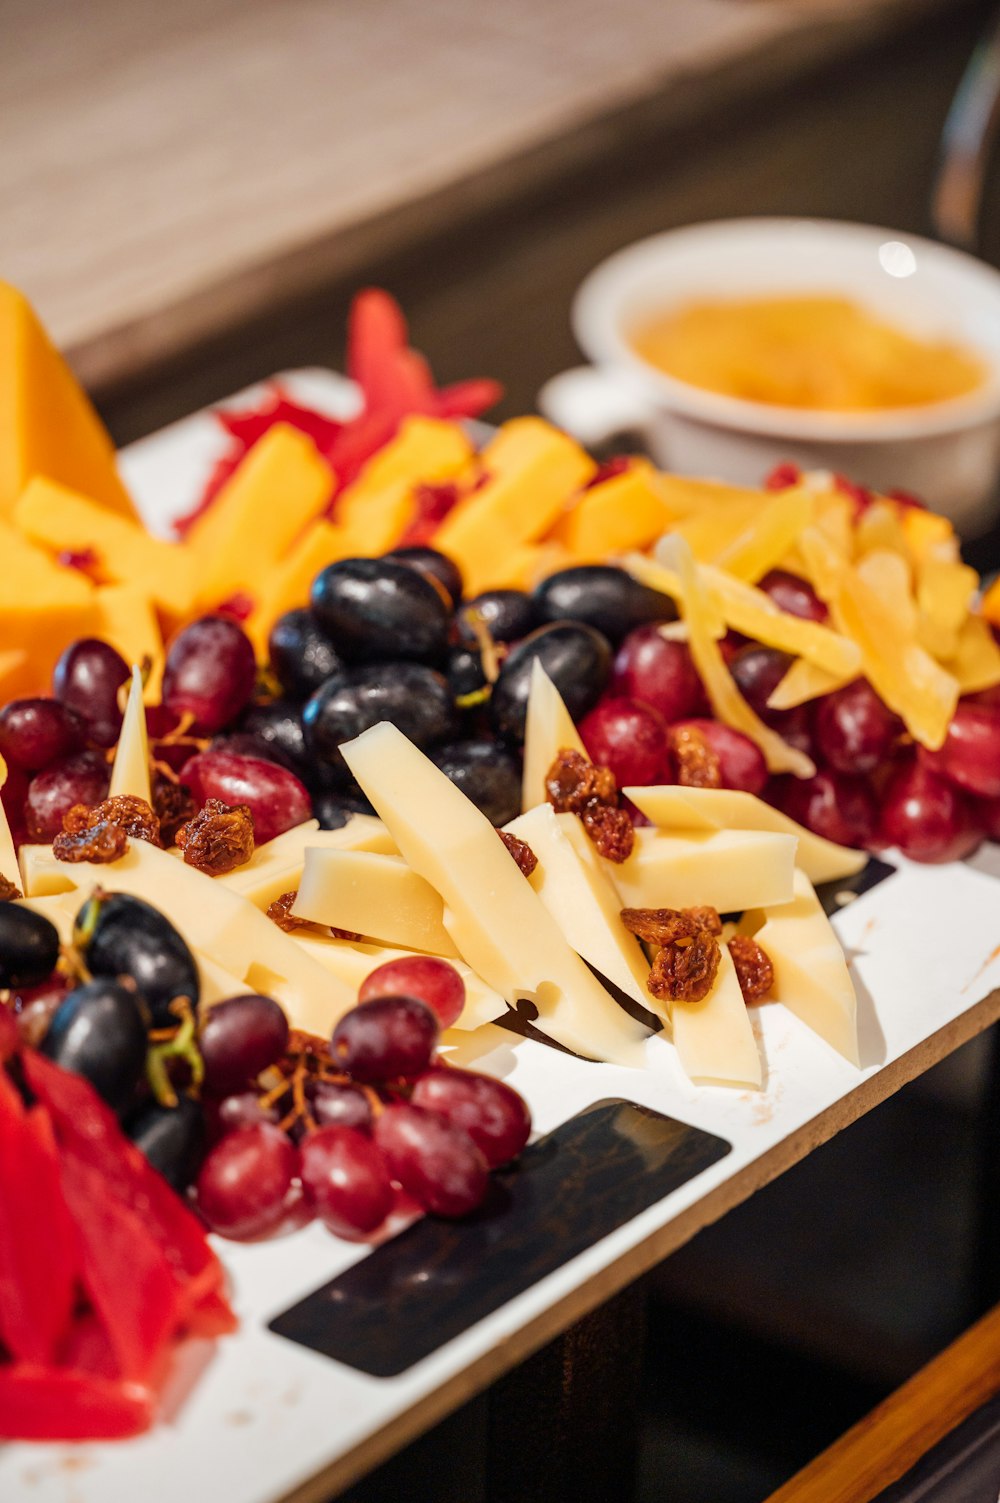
<point>817,352</point>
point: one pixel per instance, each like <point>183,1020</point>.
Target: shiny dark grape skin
<point>758,671</point>
<point>99,1032</point>
<point>577,659</point>
<point>119,935</point>
<point>793,594</point>
<point>173,1138</point>
<point>247,1181</point>
<point>428,561</point>
<point>374,609</point>
<point>82,779</point>
<point>389,1038</point>
<point>34,1007</point>
<point>603,597</point>
<point>465,672</point>
<point>239,1038</point>
<point>277,800</point>
<point>301,654</point>
<point>435,1162</point>
<point>346,1180</point>
<point>87,678</point>
<point>410,696</point>
<point>278,724</point>
<point>35,733</point>
<point>29,946</point>
<point>210,673</point>
<point>487,774</point>
<point>854,729</point>
<point>333,810</point>
<point>334,1104</point>
<point>836,805</point>
<point>507,615</point>
<point>495,1117</point>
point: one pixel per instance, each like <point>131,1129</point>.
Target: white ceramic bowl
<point>946,452</point>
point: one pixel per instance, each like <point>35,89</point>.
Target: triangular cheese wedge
<point>548,729</point>
<point>130,772</point>
<point>713,1038</point>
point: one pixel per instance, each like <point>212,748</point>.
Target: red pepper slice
<point>58,1403</point>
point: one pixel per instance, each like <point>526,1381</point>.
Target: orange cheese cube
<point>127,619</point>
<point>43,607</point>
<point>47,424</point>
<point>377,507</point>
<point>15,673</point>
<point>522,568</point>
<point>321,544</point>
<point>533,472</point>
<point>281,485</point>
<point>626,511</point>
<point>58,519</point>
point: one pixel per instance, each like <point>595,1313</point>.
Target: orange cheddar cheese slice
<point>47,424</point>
<point>533,471</point>
<point>58,519</point>
<point>277,490</point>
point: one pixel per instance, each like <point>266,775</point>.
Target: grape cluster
<point>261,1125</point>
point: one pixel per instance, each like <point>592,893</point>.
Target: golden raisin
<point>753,967</point>
<point>219,838</point>
<point>521,851</point>
<point>698,765</point>
<point>174,804</point>
<point>664,926</point>
<point>573,782</point>
<point>686,970</point>
<point>8,892</point>
<point>133,815</point>
<point>610,829</point>
<point>101,841</point>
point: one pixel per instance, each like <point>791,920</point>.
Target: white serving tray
<point>255,1418</point>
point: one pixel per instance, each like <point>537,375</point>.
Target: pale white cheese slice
<point>729,869</point>
<point>276,867</point>
<point>675,808</point>
<point>130,771</point>
<point>811,977</point>
<point>374,895</point>
<point>581,898</point>
<point>500,925</point>
<point>548,729</point>
<point>713,1038</point>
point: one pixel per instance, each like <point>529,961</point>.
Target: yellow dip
<point>815,351</point>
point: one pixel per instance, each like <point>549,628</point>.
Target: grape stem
<point>174,1043</point>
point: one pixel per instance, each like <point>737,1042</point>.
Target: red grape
<point>390,1038</point>
<point>436,1163</point>
<point>758,671</point>
<point>741,762</point>
<point>243,1109</point>
<point>836,805</point>
<point>13,796</point>
<point>346,1180</point>
<point>87,678</point>
<point>495,1117</point>
<point>432,981</point>
<point>628,737</point>
<point>658,672</point>
<point>34,733</point>
<point>210,672</point>
<point>792,593</point>
<point>986,816</point>
<point>82,779</point>
<point>239,1038</point>
<point>336,1104</point>
<point>274,796</point>
<point>35,1006</point>
<point>970,756</point>
<point>9,1040</point>
<point>925,816</point>
<point>246,1184</point>
<point>854,728</point>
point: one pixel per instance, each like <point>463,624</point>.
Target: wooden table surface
<point>169,171</point>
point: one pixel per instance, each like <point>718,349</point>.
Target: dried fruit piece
<point>100,842</point>
<point>521,851</point>
<point>698,764</point>
<point>280,913</point>
<point>174,805</point>
<point>8,892</point>
<point>131,814</point>
<point>754,970</point>
<point>572,782</point>
<point>218,839</point>
<point>610,829</point>
<point>664,926</point>
<point>686,971</point>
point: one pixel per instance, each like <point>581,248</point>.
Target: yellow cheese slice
<point>626,511</point>
<point>926,532</point>
<point>976,664</point>
<point>59,519</point>
<point>130,771</point>
<point>772,531</point>
<point>8,856</point>
<point>215,983</point>
<point>533,470</point>
<point>945,592</point>
<point>548,730</point>
<point>500,925</point>
<point>803,682</point>
<point>811,977</point>
<point>713,1038</point>
<point>276,867</point>
<point>373,895</point>
<point>676,808</point>
<point>728,869</point>
<point>47,424</point>
<point>581,898</point>
<point>352,961</point>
